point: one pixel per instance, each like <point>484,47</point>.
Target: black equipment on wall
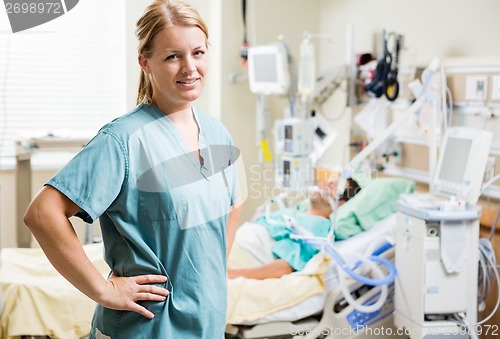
<point>385,79</point>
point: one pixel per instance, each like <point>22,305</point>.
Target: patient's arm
<point>48,218</point>
<point>275,269</point>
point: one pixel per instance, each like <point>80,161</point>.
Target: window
<point>65,77</point>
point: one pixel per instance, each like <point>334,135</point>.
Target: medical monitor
<point>268,70</point>
<point>462,162</point>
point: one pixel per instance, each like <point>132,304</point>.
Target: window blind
<point>65,77</point>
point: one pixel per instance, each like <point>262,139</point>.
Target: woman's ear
<point>143,62</point>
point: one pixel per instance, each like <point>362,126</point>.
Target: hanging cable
<point>487,253</point>
<point>244,45</point>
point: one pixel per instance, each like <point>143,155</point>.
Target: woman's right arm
<point>48,219</point>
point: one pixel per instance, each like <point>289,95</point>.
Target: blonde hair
<point>159,15</point>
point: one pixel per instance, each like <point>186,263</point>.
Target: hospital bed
<point>324,313</point>
<point>40,303</point>
<point>312,303</point>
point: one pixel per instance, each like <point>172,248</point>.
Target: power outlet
<point>476,87</point>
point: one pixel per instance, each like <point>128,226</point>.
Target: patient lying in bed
<point>253,301</point>
<point>285,255</point>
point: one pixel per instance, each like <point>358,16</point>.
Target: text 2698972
<point>33,7</point>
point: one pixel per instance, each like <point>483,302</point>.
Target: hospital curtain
<point>65,77</point>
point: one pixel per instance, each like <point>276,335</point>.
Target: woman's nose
<point>189,66</point>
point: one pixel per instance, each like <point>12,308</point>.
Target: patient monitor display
<point>268,71</point>
<point>462,162</point>
<point>455,159</point>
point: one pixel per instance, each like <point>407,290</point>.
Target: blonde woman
<point>160,179</point>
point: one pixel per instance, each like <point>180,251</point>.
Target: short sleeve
<point>94,177</point>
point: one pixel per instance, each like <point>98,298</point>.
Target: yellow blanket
<point>39,301</point>
<point>250,299</point>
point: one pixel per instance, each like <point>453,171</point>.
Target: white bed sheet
<point>314,304</point>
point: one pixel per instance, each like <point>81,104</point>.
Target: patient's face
<point>326,189</point>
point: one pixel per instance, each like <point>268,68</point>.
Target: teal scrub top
<point>162,210</point>
<point>295,252</point>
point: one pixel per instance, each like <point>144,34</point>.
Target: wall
<point>452,30</point>
<point>445,28</point>
<point>40,175</point>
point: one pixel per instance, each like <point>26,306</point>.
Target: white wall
<point>444,28</point>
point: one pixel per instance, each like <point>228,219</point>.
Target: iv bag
<point>307,69</point>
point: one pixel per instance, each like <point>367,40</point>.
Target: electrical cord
<point>489,183</point>
<point>489,268</point>
<point>244,45</point>
<point>463,320</point>
<point>450,106</point>
<point>497,217</point>
<point>495,223</point>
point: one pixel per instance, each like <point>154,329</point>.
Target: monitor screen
<point>288,132</point>
<point>268,69</point>
<point>455,159</point>
<point>462,162</point>
<point>265,68</point>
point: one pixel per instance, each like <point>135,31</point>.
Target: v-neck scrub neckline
<point>199,162</point>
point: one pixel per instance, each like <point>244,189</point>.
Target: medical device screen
<point>265,68</point>
<point>455,158</point>
<point>288,138</point>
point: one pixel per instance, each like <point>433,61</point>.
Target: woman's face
<point>177,66</point>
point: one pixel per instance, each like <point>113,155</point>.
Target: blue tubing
<point>358,277</point>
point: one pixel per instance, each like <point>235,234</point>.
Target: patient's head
<point>320,199</point>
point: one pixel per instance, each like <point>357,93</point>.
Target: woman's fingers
<point>142,311</point>
<point>153,290</point>
<point>144,280</point>
<point>150,278</point>
<point>150,297</point>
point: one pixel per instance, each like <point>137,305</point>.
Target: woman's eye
<point>172,57</point>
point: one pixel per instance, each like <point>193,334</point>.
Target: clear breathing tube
<point>382,281</point>
<point>385,280</point>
